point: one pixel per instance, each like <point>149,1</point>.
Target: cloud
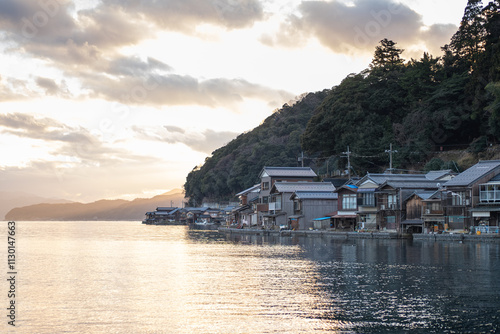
<point>358,26</point>
<point>173,89</point>
<point>202,141</point>
<point>51,29</point>
<point>48,129</point>
<point>85,45</point>
<point>52,88</point>
<point>78,181</point>
<point>134,66</point>
<point>13,89</point>
<point>437,36</point>
<point>80,161</point>
<point>77,144</point>
<point>186,15</point>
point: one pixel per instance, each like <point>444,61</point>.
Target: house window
<point>297,206</point>
<point>265,199</point>
<point>489,193</point>
<point>369,199</point>
<point>349,201</point>
<point>276,198</point>
<point>392,200</point>
<point>458,198</point>
<point>265,185</point>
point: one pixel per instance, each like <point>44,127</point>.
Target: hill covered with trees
<point>235,166</point>
<point>420,106</point>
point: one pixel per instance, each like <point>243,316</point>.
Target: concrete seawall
<point>460,237</point>
<point>316,233</point>
<point>457,237</point>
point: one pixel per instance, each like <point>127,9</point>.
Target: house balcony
<point>367,209</point>
<point>389,206</point>
<point>263,207</point>
<point>429,212</point>
<point>275,206</point>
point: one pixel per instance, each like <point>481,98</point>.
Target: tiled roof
<point>416,184</point>
<point>473,174</point>
<point>496,178</point>
<point>254,188</point>
<point>290,187</point>
<point>425,194</point>
<point>382,178</point>
<point>289,171</point>
<point>315,195</point>
<point>437,174</point>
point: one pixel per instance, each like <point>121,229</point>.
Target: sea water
<point>126,277</point>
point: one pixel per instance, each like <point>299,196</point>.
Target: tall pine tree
<point>468,42</point>
<point>387,56</point>
<point>491,60</point>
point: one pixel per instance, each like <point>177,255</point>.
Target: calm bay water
<point>125,277</point>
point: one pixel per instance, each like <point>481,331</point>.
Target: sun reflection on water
<point>124,277</point>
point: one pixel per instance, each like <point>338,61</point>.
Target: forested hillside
<point>235,167</point>
<point>420,106</point>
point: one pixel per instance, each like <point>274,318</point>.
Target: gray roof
<point>413,184</point>
<point>289,172</point>
<point>252,197</point>
<point>254,188</point>
<point>315,195</point>
<point>336,182</point>
<point>426,194</point>
<point>195,209</point>
<point>382,178</point>
<point>379,179</point>
<point>473,174</point>
<point>438,174</point>
<point>496,178</point>
<point>290,187</point>
<point>165,208</point>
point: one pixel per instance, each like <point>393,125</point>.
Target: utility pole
<point>301,158</point>
<point>348,154</point>
<point>390,151</point>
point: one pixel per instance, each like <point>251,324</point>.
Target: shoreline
<point>460,237</point>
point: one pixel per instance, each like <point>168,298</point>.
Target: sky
<point>123,98</point>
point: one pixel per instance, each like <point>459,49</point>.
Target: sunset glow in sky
<point>123,98</point>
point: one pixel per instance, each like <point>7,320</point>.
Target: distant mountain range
<point>15,199</point>
<point>100,210</point>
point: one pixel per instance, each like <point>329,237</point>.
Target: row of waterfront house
<point>436,202</point>
<point>188,215</point>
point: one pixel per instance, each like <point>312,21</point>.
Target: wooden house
<point>281,205</point>
<point>313,209</point>
<point>270,175</point>
<point>346,217</point>
<point>470,197</point>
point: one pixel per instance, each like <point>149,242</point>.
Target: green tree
<point>468,42</point>
<point>491,59</point>
<point>235,166</point>
<point>387,56</point>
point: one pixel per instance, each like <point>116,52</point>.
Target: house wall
<point>312,209</point>
<point>264,208</point>
<point>475,186</point>
<point>414,208</point>
<point>341,193</point>
<point>453,212</point>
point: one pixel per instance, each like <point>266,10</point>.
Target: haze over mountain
<point>15,199</point>
<point>100,210</point>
